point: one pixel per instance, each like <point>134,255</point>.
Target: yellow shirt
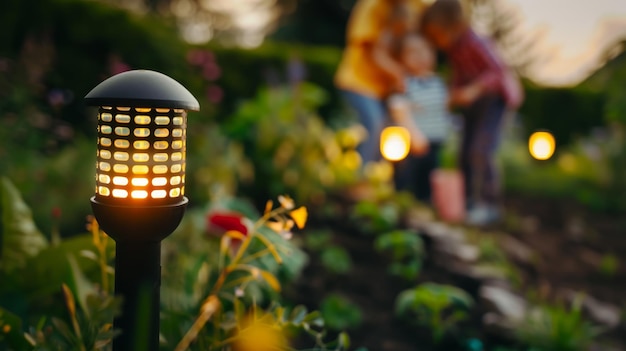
<point>357,70</point>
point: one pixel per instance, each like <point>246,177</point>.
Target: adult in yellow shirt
<point>368,72</point>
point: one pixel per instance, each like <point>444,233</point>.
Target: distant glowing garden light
<point>140,186</point>
<point>395,143</point>
<point>541,145</point>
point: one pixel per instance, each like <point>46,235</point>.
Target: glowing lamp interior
<point>395,143</point>
<point>141,154</point>
<point>541,145</point>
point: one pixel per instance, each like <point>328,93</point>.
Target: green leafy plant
<point>317,240</point>
<point>291,148</point>
<point>374,217</point>
<point>557,328</point>
<point>609,265</point>
<point>437,307</point>
<point>226,306</point>
<point>406,249</point>
<point>230,312</point>
<point>340,313</point>
<point>336,259</point>
<point>90,307</point>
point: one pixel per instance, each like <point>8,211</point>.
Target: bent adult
<point>368,72</point>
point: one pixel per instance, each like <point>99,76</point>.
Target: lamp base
<point>138,232</point>
<point>138,223</point>
<point>138,283</point>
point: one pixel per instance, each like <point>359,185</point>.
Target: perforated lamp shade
<point>142,124</point>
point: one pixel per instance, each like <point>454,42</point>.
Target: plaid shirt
<point>474,59</point>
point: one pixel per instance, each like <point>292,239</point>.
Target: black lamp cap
<point>142,88</point>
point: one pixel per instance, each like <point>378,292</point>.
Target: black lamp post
<point>140,186</point>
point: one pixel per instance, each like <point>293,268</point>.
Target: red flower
<point>56,212</point>
<point>221,222</point>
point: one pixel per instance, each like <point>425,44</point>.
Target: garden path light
<point>541,145</point>
<point>140,188</point>
<point>395,143</point>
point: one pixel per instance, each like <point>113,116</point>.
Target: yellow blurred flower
<point>351,160</point>
<point>286,202</point>
<point>299,216</point>
<point>260,335</point>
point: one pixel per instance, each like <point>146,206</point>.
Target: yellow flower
<point>6,328</point>
<point>286,202</point>
<point>299,216</point>
<point>260,335</point>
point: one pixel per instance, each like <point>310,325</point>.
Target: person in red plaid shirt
<point>483,88</point>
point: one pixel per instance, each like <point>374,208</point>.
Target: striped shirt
<point>429,106</point>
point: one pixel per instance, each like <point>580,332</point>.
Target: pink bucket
<point>448,194</point>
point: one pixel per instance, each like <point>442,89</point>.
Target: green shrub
<point>557,328</point>
<point>566,112</point>
<point>245,71</point>
<point>290,147</point>
<point>340,313</point>
<point>437,307</point>
<point>406,249</point>
<point>336,259</point>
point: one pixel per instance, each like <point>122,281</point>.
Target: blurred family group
<point>388,75</point>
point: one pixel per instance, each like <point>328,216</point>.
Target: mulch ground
<point>571,244</point>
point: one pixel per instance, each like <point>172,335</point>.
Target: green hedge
<point>246,70</point>
<point>82,35</point>
<point>566,112</point>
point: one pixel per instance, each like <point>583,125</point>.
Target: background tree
<point>502,21</point>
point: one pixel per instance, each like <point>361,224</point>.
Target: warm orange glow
<point>175,180</point>
<point>104,191</point>
<point>120,180</point>
<point>159,181</point>
<point>121,193</point>
<point>103,178</point>
<point>141,169</point>
<point>541,145</point>
<point>141,157</point>
<point>132,167</point>
<point>160,157</point>
<point>140,119</point>
<point>140,181</point>
<point>159,194</point>
<point>139,194</point>
<point>395,143</point>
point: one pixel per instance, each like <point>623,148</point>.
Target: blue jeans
<point>481,136</point>
<point>372,114</point>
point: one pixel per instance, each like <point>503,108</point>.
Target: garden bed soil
<point>570,246</point>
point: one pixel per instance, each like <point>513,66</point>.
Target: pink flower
<point>215,94</point>
<point>195,57</point>
<point>211,71</point>
<point>117,65</point>
<point>199,57</point>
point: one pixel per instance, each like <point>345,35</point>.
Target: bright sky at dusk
<point>576,33</point>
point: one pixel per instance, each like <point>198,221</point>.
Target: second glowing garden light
<point>140,186</point>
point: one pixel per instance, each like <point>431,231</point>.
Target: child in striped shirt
<point>423,108</point>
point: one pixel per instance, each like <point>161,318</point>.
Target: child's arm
<point>401,114</point>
